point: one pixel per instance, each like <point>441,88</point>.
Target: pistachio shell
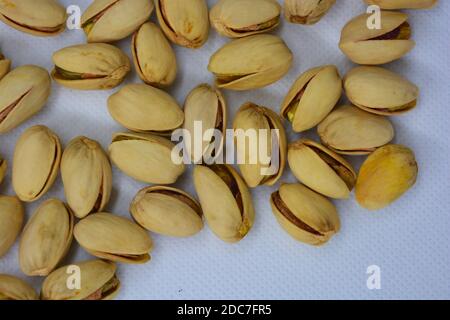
<point>251,62</point>
<point>98,282</point>
<point>11,217</point>
<point>113,238</point>
<point>385,176</point>
<point>225,200</point>
<point>23,92</point>
<point>185,23</point>
<point>5,65</point>
<point>321,169</point>
<point>377,46</point>
<point>142,108</point>
<point>403,4</point>
<point>36,162</point>
<point>145,157</point>
<point>352,131</point>
<point>241,18</point>
<point>12,288</point>
<point>39,18</point>
<point>258,121</point>
<point>306,11</point>
<point>167,211</point>
<point>111,20</point>
<point>380,91</point>
<point>206,106</point>
<point>304,214</point>
<point>46,238</point>
<point>90,66</point>
<point>312,97</point>
<point>153,56</point>
<point>3,168</point>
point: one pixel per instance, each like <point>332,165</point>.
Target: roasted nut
<point>5,64</point>
<point>385,176</point>
<point>11,217</point>
<point>306,11</point>
<point>403,4</point>
<point>12,288</point>
<point>36,163</point>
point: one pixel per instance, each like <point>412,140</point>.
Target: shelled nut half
<point>46,238</point>
<point>12,288</point>
<point>403,4</point>
<point>113,238</point>
<point>225,200</point>
<point>306,11</point>
<point>98,282</point>
<point>11,216</point>
<point>378,45</point>
<point>5,65</point>
<point>304,214</point>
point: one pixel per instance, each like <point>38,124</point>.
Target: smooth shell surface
<point>306,11</point>
<point>12,288</point>
<point>11,217</point>
<point>403,4</point>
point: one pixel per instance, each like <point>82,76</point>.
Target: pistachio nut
<point>251,62</point>
<point>111,20</point>
<point>304,214</point>
<point>145,157</point>
<point>143,108</point>
<point>380,91</point>
<point>90,66</point>
<point>36,162</point>
<point>352,131</point>
<point>206,106</point>
<point>12,288</point>
<point>39,18</point>
<point>113,238</point>
<point>154,59</point>
<point>23,92</point>
<point>167,211</point>
<point>241,18</point>
<point>258,131</point>
<point>46,238</point>
<point>306,11</point>
<point>98,282</point>
<point>312,97</point>
<point>86,176</point>
<point>11,217</point>
<point>5,64</point>
<point>226,201</point>
<point>3,167</point>
<point>378,45</point>
<point>385,176</point>
<point>185,23</point>
<point>321,169</point>
<point>403,4</point>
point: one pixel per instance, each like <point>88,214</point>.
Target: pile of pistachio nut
<point>251,60</point>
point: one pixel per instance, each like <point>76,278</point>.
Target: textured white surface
<point>409,241</point>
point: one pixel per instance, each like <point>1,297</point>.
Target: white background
<point>409,240</point>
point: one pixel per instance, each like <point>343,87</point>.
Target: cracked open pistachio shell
<point>12,288</point>
<point>403,4</point>
<point>304,214</point>
<point>312,97</point>
<point>86,175</point>
<point>226,201</point>
<point>36,162</point>
<point>385,176</point>
<point>39,18</point>
<point>352,131</point>
<point>153,56</point>
<point>5,64</point>
<point>251,62</point>
<point>46,238</point>
<point>113,238</point>
<point>3,167</point>
<point>11,217</point>
<point>93,66</point>
<point>98,281</point>
<point>378,45</point>
<point>185,23</point>
<point>260,148</point>
<point>241,18</point>
<point>23,92</point>
<point>143,108</point>
<point>111,20</point>
<point>204,106</point>
<point>167,211</point>
<point>145,157</point>
<point>306,11</point>
<point>321,169</point>
<point>380,91</point>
